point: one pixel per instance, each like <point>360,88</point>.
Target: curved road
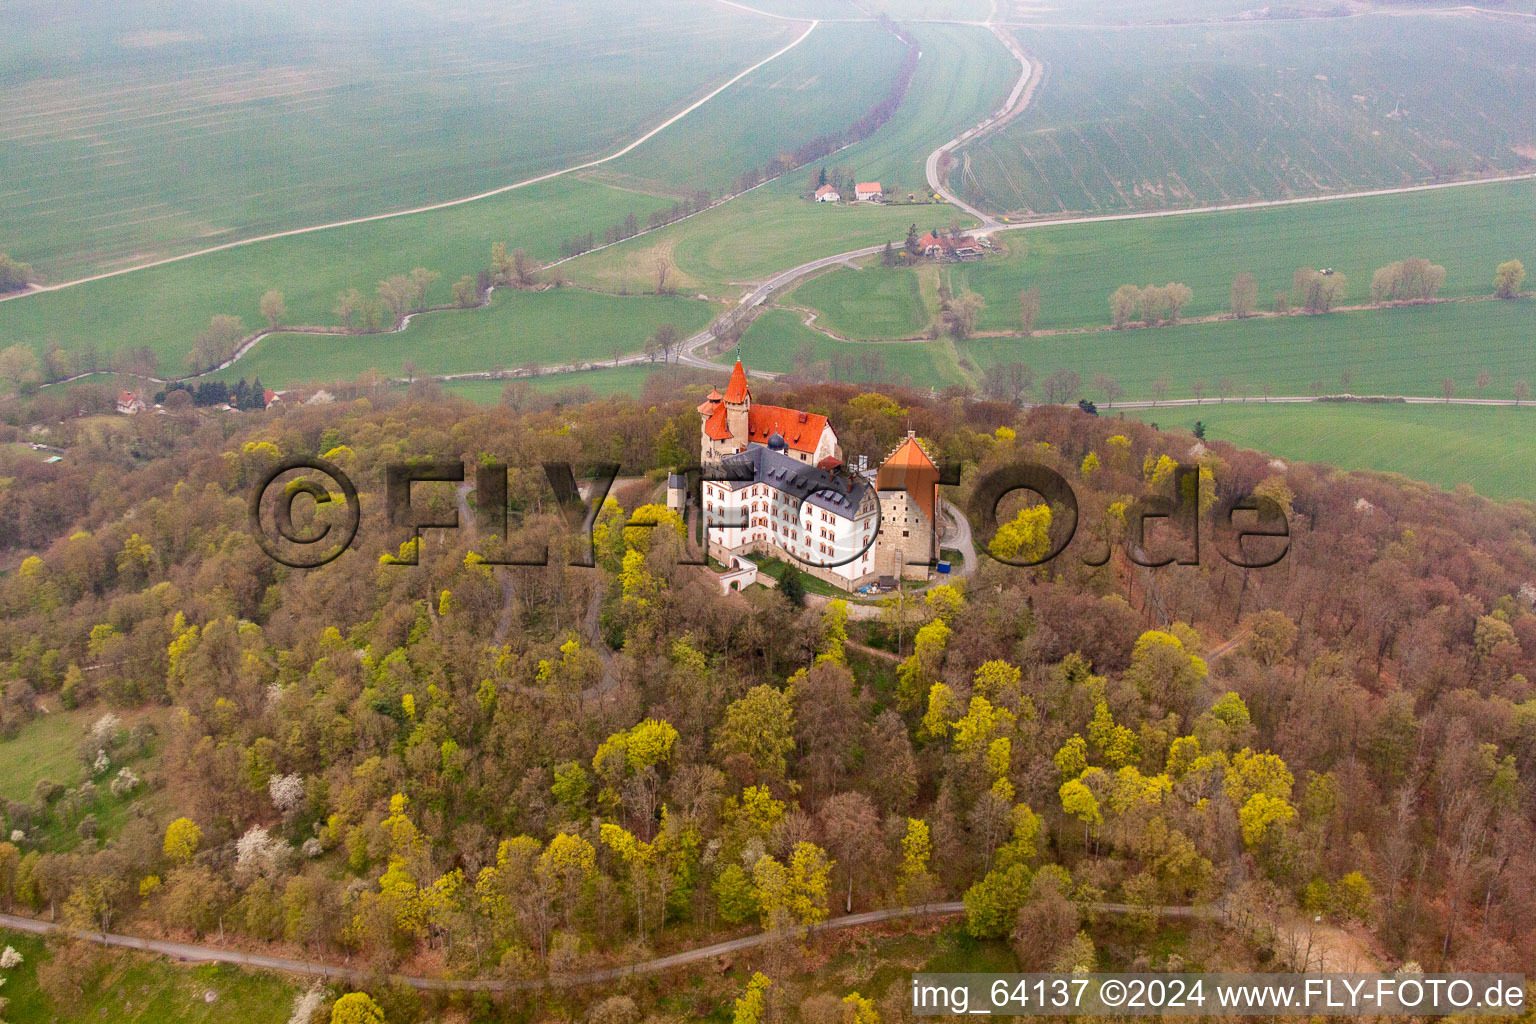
<point>196,953</point>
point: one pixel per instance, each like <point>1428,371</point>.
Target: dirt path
<point>432,206</point>
<point>199,953</point>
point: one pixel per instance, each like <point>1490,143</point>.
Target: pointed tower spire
<point>737,391</point>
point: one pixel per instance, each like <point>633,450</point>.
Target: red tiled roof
<point>737,391</point>
<point>910,469</point>
<point>709,403</point>
<point>126,397</point>
<point>715,427</point>
<point>801,430</point>
<point>826,190</point>
<point>867,186</point>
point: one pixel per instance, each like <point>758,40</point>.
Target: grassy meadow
<point>964,73</point>
<point>172,126</point>
<point>1469,230</point>
<point>1135,120</point>
<point>778,342</point>
<point>555,326</point>
<point>1490,448</point>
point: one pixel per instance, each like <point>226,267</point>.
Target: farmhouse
<point>943,247</point>
<point>129,403</point>
<point>827,194</point>
<point>776,485</point>
<point>867,192</point>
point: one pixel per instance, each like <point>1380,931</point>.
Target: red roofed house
<point>941,247</point>
<point>827,194</point>
<point>129,403</point>
<point>867,191</point>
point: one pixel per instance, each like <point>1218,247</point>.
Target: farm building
<point>129,403</point>
<point>868,192</point>
<point>827,194</point>
<point>943,247</point>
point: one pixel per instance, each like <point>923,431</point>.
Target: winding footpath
<point>198,953</point>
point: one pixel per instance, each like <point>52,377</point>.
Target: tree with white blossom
<point>287,793</point>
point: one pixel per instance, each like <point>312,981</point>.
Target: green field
<point>1469,230</point>
<point>1399,351</point>
<point>963,75</point>
<point>1490,448</point>
<point>1130,120</point>
<point>45,748</point>
<point>868,304</point>
<point>556,326</point>
<point>173,126</point>
<point>613,380</point>
<point>821,87</point>
<point>778,342</point>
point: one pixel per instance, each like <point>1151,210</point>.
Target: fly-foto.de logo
<point>845,525</point>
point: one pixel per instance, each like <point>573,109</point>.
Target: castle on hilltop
<point>781,488</point>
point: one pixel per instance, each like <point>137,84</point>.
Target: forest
<point>457,770</point>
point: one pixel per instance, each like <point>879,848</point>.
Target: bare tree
<point>1244,301</point>
<point>1107,386</point>
<point>1447,389</point>
<point>663,266</point>
<point>1029,309</point>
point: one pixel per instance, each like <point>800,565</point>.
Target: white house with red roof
<point>775,484</point>
<point>827,194</point>
<point>868,192</point>
<point>129,403</point>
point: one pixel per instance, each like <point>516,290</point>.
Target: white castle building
<point>781,489</point>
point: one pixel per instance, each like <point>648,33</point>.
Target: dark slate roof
<point>757,464</point>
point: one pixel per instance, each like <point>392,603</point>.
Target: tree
<point>1522,391</point>
<point>15,275</point>
<point>1029,309</point>
<point>421,281</point>
<point>525,269</point>
<point>395,293</point>
<point>182,837</point>
<point>663,267</point>
<point>1123,304</point>
<point>913,249</point>
<point>1107,386</point>
<point>960,314</point>
<point>1318,290</point>
<point>752,1007</point>
<point>356,1008</point>
<point>1154,303</point>
<point>348,304</point>
<point>852,829</point>
<point>759,730</point>
<point>792,586</point>
<point>1244,298</point>
<point>1007,382</point>
<point>273,308</point>
<point>217,343</point>
<point>888,255</point>
<point>1061,386</point>
<point>466,292</point>
<point>665,338</point>
<point>1447,389</point>
<point>19,369</point>
<point>1508,279</point>
<point>1484,378</point>
<point>1177,297</point>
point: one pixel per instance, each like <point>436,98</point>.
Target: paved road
<point>1017,99</point>
<point>197,953</point>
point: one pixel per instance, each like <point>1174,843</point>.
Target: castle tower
<point>724,418</point>
<point>908,486</point>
